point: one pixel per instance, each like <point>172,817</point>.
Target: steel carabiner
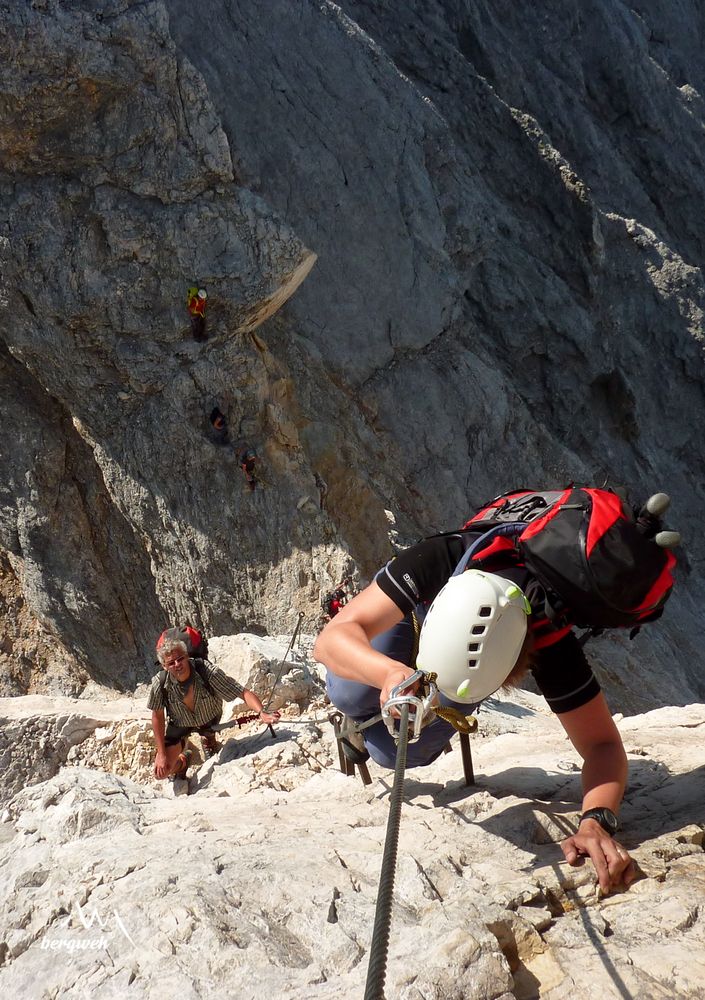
<point>420,705</point>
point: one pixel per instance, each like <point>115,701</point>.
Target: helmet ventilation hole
<point>479,629</point>
<point>485,611</point>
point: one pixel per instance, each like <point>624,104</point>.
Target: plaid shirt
<point>207,704</point>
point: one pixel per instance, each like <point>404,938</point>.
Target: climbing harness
<point>423,708</point>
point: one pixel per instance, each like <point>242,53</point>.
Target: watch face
<point>610,819</point>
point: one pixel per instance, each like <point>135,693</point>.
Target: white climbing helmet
<point>202,293</point>
<point>472,634</point>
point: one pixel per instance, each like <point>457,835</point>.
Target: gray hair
<point>170,646</point>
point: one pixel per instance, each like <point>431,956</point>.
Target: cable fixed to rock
<point>280,670</point>
<point>377,967</point>
<point>281,665</point>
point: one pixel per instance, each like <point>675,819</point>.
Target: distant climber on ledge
<point>190,692</point>
<point>196,305</point>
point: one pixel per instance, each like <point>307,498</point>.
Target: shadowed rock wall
<point>505,205</point>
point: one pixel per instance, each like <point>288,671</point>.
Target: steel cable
<point>376,969</point>
<point>283,662</point>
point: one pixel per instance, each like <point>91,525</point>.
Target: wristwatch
<point>605,817</point>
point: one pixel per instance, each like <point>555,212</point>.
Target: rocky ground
<point>262,881</point>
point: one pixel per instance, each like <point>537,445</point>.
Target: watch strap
<point>602,816</point>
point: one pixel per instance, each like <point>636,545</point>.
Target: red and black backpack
<point>195,642</point>
<point>594,555</point>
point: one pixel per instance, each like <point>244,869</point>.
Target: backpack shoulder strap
<point>510,529</point>
<point>200,667</point>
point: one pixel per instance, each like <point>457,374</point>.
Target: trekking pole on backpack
<point>649,521</point>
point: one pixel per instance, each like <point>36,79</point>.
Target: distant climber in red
<point>196,305</point>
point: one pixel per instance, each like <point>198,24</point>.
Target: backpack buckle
<point>420,705</point>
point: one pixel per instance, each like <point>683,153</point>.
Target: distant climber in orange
<point>196,305</point>
<point>218,427</point>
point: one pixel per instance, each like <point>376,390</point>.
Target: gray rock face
<point>120,194</point>
<point>504,201</point>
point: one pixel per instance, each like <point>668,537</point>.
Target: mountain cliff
<point>448,250</point>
